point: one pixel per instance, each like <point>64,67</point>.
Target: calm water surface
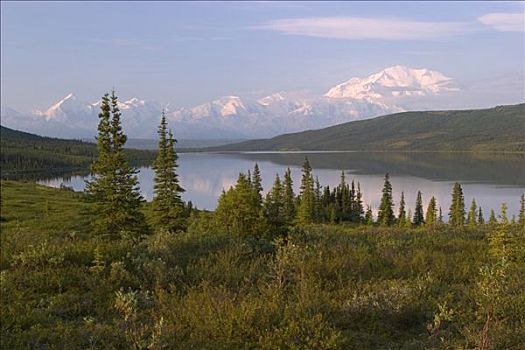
<point>489,179</point>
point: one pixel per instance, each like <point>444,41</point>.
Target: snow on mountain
<point>388,91</point>
<point>396,81</point>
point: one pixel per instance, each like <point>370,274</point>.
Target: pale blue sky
<point>185,53</point>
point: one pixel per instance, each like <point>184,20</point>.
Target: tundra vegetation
<point>314,270</point>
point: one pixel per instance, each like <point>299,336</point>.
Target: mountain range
<point>391,90</point>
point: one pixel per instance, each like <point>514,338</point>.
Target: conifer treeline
<point>242,210</point>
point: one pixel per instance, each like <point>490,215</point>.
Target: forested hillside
<point>495,129</point>
<point>24,153</point>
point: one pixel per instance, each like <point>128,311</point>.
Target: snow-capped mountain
<point>388,91</point>
<point>396,81</point>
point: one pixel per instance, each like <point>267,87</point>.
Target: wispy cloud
<point>355,28</point>
<point>505,22</point>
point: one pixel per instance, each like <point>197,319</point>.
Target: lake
<point>490,179</point>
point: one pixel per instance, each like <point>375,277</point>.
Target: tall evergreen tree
<point>168,208</point>
<point>492,219</point>
<point>385,215</point>
<point>419,218</point>
<point>521,214</point>
<point>274,208</point>
<point>343,199</point>
<point>369,218</point>
<point>256,183</point>
<point>481,220</point>
<point>288,198</point>
<point>457,208</point>
<point>305,211</point>
<point>440,216</point>
<point>503,219</point>
<point>318,205</point>
<point>357,211</point>
<point>401,218</point>
<point>114,188</point>
<point>472,213</point>
<point>431,217</point>
<point>408,221</point>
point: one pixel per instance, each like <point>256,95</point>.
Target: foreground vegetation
<point>323,286</point>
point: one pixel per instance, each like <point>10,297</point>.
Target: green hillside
<point>495,129</point>
<point>24,154</point>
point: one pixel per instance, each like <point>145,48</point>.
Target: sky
<point>186,53</point>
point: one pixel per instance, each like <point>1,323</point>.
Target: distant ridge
<point>498,129</point>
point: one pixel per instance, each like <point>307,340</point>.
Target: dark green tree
<point>114,188</point>
<point>385,216</point>
<point>357,212</point>
<point>369,217</point>
<point>169,213</point>
<point>440,216</point>
<point>431,218</point>
<point>256,184</point>
<point>481,220</point>
<point>288,198</point>
<point>472,214</point>
<point>274,208</point>
<point>492,219</point>
<point>401,218</point>
<point>503,219</point>
<point>456,215</point>
<point>419,218</point>
<point>305,211</point>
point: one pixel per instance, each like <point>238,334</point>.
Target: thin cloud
<point>355,28</point>
<point>505,22</point>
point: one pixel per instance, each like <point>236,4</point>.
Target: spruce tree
<point>408,221</point>
<point>481,220</point>
<point>457,208</point>
<point>431,216</point>
<point>369,218</point>
<point>419,218</point>
<point>274,208</point>
<point>169,213</point>
<point>521,214</point>
<point>343,199</point>
<point>114,188</point>
<point>471,216</point>
<point>305,211</point>
<point>503,219</point>
<point>318,205</point>
<point>385,215</point>
<point>288,198</point>
<point>440,216</point>
<point>256,183</point>
<point>492,219</point>
<point>401,218</point>
<point>357,205</point>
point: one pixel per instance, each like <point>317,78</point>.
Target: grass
<point>323,287</point>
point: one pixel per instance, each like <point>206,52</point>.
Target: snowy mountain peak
<point>395,81</point>
<point>266,101</point>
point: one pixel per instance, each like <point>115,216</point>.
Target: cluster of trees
<point>114,190</point>
<point>242,209</point>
